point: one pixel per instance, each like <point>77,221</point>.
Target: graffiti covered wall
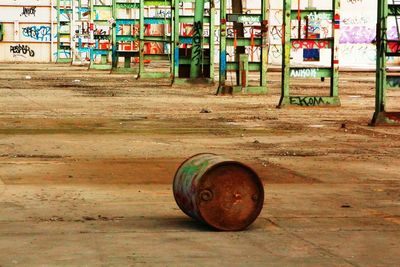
<point>357,36</point>
<point>27,30</point>
<point>357,32</point>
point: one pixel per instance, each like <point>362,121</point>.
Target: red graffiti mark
<point>310,44</point>
<point>145,61</point>
<point>394,47</point>
<point>104,46</point>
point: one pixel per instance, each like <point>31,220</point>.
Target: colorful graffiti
<point>306,101</point>
<point>307,44</point>
<point>28,11</point>
<point>304,73</point>
<point>21,50</point>
<point>39,33</point>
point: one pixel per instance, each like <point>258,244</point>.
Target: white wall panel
<point>25,14</point>
<point>26,2</point>
<point>23,52</point>
<point>27,22</point>
<point>27,30</point>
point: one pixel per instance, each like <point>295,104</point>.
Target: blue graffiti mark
<point>312,54</point>
<point>185,40</point>
<point>40,33</point>
<point>223,61</point>
<point>154,21</point>
<point>62,54</point>
<point>176,57</point>
<point>164,14</point>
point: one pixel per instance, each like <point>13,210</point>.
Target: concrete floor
<point>87,160</point>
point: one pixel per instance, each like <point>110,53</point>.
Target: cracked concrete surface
<point>86,171</point>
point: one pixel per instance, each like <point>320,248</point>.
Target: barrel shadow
<point>177,223</point>
<point>164,223</point>
<point>180,223</point>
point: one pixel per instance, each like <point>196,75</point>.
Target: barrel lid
<point>230,196</point>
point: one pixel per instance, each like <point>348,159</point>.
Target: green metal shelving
<point>165,56</point>
<point>100,34</point>
<point>302,18</point>
<point>80,29</point>
<point>194,51</point>
<point>242,64</point>
<point>128,32</point>
<point>64,31</point>
<point>125,34</point>
<point>386,48</point>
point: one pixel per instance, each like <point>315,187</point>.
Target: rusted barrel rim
<point>256,179</point>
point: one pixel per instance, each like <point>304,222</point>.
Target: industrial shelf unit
<point>80,29</point>
<point>194,49</point>
<point>163,40</point>
<point>243,63</point>
<point>386,48</point>
<point>302,18</point>
<point>101,14</point>
<point>64,31</point>
<point>125,35</point>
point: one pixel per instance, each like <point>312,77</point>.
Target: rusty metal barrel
<point>224,194</point>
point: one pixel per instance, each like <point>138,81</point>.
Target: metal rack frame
<point>120,40</point>
<point>385,81</point>
<point>242,65</point>
<point>288,71</point>
<point>64,48</point>
<point>193,59</point>
<point>99,39</point>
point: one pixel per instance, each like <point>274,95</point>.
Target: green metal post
<point>141,38</point>
<point>222,46</point>
<point>71,42</point>
<point>265,43</point>
<point>335,55</point>
<point>385,81</point>
<point>381,45</point>
<point>172,41</point>
<point>197,45</point>
<point>212,39</point>
<point>58,28</point>
<point>114,44</point>
<point>176,42</point>
<point>286,47</point>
